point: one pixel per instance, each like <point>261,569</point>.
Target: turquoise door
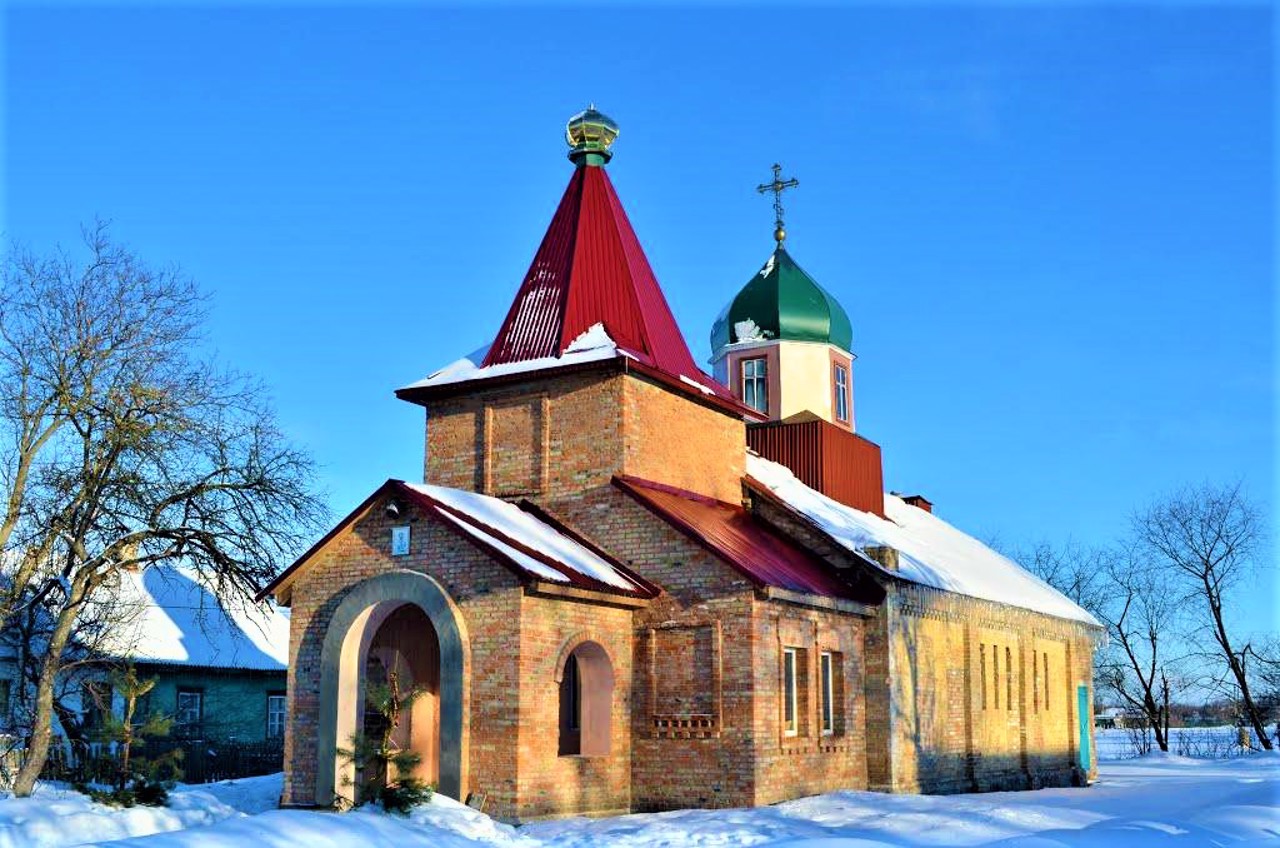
<point>1082,713</point>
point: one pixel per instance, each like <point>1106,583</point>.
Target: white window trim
<point>842,392</point>
<point>283,715</point>
<point>790,692</point>
<point>759,381</point>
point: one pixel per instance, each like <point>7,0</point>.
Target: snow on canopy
<point>594,345</point>
<point>487,519</point>
<point>930,551</point>
<point>172,616</point>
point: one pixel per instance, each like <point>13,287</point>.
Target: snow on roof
<point>489,514</point>
<point>594,345</point>
<point>172,616</point>
<point>930,551</point>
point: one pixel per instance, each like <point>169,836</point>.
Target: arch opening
<point>402,627</point>
<point>586,702</point>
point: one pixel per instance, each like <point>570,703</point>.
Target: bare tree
<point>1137,663</point>
<point>1204,539</point>
<point>123,448</point>
<point>1140,664</point>
<point>1077,571</point>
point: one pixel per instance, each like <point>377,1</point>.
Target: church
<point>625,584</point>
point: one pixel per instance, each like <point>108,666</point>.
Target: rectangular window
<point>842,393</point>
<point>826,673</point>
<point>982,671</point>
<point>1008,679</point>
<point>790,717</point>
<point>995,674</point>
<point>275,716</point>
<point>755,383</point>
<point>190,713</point>
<point>95,703</point>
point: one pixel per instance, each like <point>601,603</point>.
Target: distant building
<point>629,585</point>
<point>220,668</point>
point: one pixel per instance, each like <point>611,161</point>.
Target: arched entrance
<point>403,657</point>
<point>399,623</point>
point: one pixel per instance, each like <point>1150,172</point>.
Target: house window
<point>190,712</point>
<point>755,383</point>
<point>586,702</point>
<point>95,702</point>
<point>790,711</point>
<point>842,393</point>
<point>275,715</point>
<point>826,673</point>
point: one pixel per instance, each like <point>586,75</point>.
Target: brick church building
<point>627,585</point>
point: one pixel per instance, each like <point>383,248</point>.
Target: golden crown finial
<point>590,134</point>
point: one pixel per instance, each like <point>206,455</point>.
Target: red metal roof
<point>591,269</point>
<point>763,555</point>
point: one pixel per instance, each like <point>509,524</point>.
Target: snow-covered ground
<point>54,817</point>
<point>1156,800</point>
<point>1200,742</point>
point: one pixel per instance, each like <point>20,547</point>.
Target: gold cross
<point>778,186</point>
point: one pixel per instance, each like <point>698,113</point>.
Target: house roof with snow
<point>931,552</point>
<point>172,616</point>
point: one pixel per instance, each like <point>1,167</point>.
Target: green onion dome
<point>782,302</point>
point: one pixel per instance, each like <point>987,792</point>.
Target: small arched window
<point>586,702</point>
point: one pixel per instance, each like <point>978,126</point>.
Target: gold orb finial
<point>590,134</point>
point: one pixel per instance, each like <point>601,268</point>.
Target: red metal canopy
<point>762,555</point>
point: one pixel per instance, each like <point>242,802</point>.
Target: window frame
<point>791,692</point>
<point>840,382</point>
<point>186,728</point>
<point>282,699</point>
<point>827,691</point>
<point>759,382</point>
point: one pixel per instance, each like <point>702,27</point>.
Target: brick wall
<point>811,761</point>
<point>489,600</point>
<point>562,435</point>
<point>551,784</point>
<point>967,712</point>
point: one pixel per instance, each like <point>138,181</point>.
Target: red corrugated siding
<point>765,557</point>
<point>842,465</point>
<point>532,326</point>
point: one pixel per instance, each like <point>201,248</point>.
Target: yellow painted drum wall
<point>806,379</point>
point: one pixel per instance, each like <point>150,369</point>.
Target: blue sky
<point>1052,227</point>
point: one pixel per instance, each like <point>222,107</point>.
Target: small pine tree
<point>137,780</point>
<point>389,769</point>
